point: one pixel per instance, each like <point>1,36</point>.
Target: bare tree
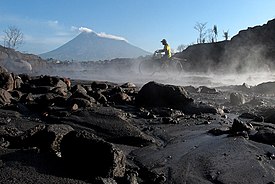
<point>210,36</point>
<point>200,27</point>
<point>215,30</point>
<point>13,37</point>
<point>226,35</point>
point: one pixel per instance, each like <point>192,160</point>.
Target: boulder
<point>199,108</point>
<point>110,124</point>
<point>128,85</point>
<point>45,80</point>
<point>264,135</point>
<point>237,98</point>
<point>67,81</point>
<point>30,88</point>
<point>252,116</point>
<point>30,138</point>
<point>78,89</point>
<point>86,155</point>
<point>120,98</point>
<point>101,98</point>
<point>191,89</point>
<point>154,94</point>
<point>267,114</point>
<point>63,91</point>
<point>7,135</point>
<point>204,89</point>
<point>239,126</point>
<point>56,132</point>
<point>17,82</point>
<point>83,96</point>
<point>80,102</point>
<point>50,99</point>
<point>46,138</point>
<point>5,97</point>
<point>97,85</point>
<point>6,81</point>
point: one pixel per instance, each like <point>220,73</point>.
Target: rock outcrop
<point>250,50</point>
<point>18,62</point>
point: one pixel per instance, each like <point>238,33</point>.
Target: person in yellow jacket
<point>166,49</point>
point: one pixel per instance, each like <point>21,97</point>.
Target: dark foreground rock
<point>89,156</point>
<point>53,130</point>
<point>154,94</point>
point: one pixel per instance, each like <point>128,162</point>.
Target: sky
<point>46,25</point>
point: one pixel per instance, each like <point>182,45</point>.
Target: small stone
<point>74,107</point>
<point>224,116</point>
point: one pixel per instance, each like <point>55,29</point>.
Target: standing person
<point>166,49</point>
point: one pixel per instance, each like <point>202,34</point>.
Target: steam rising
<point>245,60</point>
<point>85,29</point>
<point>129,72</point>
<point>102,34</point>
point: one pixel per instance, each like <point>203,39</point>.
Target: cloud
<point>85,29</point>
<point>74,28</point>
<point>53,23</point>
<point>104,35</point>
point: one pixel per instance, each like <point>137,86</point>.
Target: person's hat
<point>163,41</point>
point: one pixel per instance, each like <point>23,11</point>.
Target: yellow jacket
<point>167,51</point>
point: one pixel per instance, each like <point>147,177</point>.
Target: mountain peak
<point>92,46</point>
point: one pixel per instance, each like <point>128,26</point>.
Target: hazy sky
<point>49,24</point>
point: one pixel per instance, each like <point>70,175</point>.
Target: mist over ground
<point>128,71</point>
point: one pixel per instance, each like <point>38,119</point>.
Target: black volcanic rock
<point>265,88</point>
<point>154,94</point>
<point>159,95</point>
<point>91,47</point>
<point>87,155</point>
<point>123,143</point>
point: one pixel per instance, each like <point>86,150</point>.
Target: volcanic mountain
<point>90,46</point>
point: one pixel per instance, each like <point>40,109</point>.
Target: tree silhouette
<point>215,30</point>
<point>13,37</point>
<point>226,35</point>
<point>200,27</point>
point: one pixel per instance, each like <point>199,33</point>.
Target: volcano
<point>90,46</point>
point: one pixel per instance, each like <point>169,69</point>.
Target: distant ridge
<point>251,50</point>
<point>92,47</point>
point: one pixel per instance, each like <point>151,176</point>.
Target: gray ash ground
<point>94,132</point>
